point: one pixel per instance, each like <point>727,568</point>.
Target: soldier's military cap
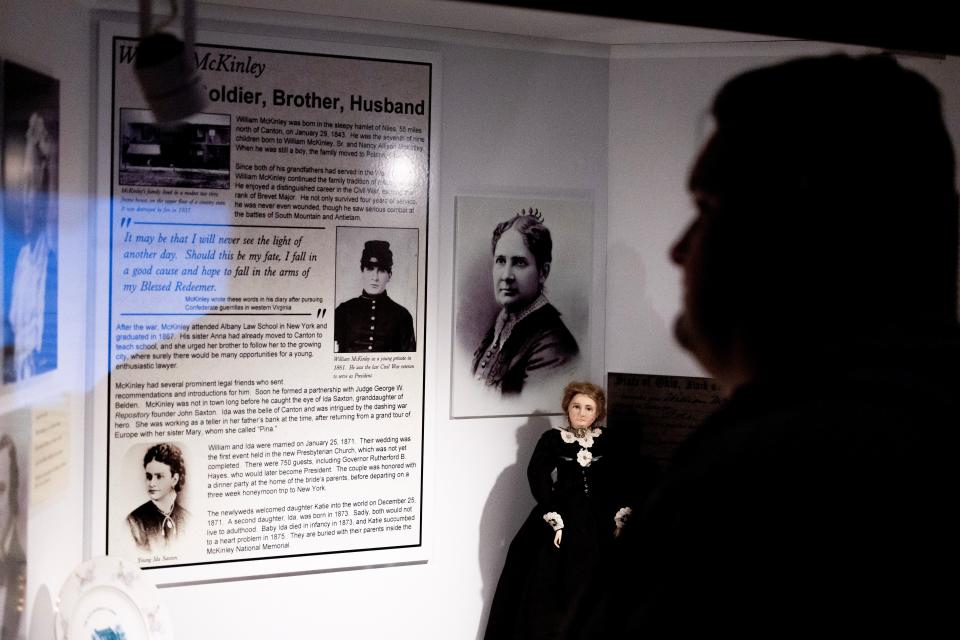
<point>377,254</point>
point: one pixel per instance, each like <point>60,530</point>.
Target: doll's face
<point>582,411</point>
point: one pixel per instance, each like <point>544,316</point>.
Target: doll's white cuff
<point>554,520</point>
<point>622,516</point>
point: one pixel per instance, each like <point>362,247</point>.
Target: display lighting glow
<point>401,171</point>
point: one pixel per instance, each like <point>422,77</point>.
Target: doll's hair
<point>588,389</point>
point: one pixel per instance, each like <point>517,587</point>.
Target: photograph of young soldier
<point>820,291</point>
<point>372,322</point>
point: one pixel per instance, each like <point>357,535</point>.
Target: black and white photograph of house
<point>193,153</point>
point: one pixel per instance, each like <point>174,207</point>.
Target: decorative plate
<point>109,598</point>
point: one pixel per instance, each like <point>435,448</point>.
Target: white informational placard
<point>262,309</point>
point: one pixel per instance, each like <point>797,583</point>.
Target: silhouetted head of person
<point>827,212</point>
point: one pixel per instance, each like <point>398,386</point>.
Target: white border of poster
<point>413,286</point>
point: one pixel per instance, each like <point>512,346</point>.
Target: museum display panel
<point>267,286</point>
<point>526,110</point>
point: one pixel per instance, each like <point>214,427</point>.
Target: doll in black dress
<point>562,557</point>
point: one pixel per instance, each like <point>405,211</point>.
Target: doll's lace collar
<point>586,441</point>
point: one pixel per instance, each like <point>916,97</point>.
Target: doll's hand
<point>556,538</point>
<point>620,519</point>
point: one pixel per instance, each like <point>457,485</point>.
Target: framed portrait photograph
<point>30,142</point>
<point>15,448</point>
<point>376,290</point>
<point>157,525</point>
<point>522,296</point>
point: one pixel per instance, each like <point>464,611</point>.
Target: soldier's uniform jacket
<point>373,324</point>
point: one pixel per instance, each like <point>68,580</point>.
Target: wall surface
<point>659,117</point>
<point>515,123</point>
<point>55,39</point>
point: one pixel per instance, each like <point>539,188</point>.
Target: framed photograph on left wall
<point>15,441</point>
<point>30,143</point>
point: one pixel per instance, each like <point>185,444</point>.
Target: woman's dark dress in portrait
<point>151,529</point>
<point>546,592</point>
